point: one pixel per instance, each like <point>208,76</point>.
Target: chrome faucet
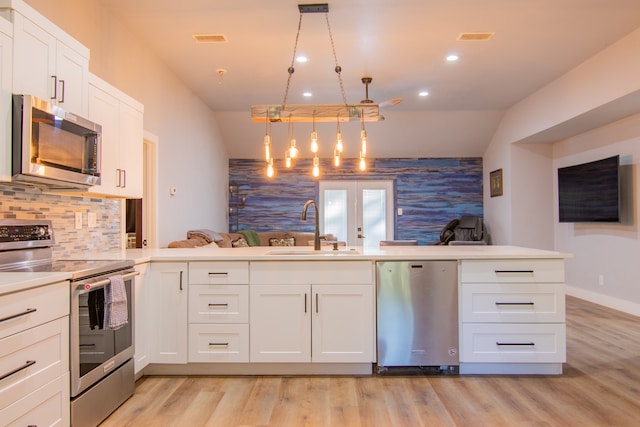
<point>316,237</point>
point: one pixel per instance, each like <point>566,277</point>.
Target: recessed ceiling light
<point>307,94</point>
<point>302,59</point>
<point>423,93</point>
<point>452,57</point>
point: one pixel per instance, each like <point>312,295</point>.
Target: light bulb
<point>316,167</point>
<point>336,158</point>
<point>339,142</point>
<point>270,171</point>
<point>314,142</point>
<point>363,140</point>
<point>293,150</point>
<point>287,159</point>
<point>363,163</point>
<point>267,147</point>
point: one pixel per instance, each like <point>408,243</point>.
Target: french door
<point>357,212</point>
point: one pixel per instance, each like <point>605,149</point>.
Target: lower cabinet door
<point>513,343</point>
<point>280,323</point>
<point>218,343</point>
<point>46,406</point>
<point>343,324</point>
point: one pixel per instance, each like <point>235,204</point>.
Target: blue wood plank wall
<point>431,192</point>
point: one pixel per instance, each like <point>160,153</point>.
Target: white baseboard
<point>605,300</point>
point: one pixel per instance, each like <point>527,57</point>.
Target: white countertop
<point>13,282</point>
<point>301,253</point>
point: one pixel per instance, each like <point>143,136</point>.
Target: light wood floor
<point>600,387</point>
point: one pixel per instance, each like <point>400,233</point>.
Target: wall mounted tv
<point>590,192</point>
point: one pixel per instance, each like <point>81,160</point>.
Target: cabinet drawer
<point>32,358</point>
<point>218,304</point>
<point>512,270</point>
<point>513,302</point>
<point>47,406</point>
<point>513,343</point>
<point>219,273</point>
<point>312,272</point>
<point>33,307</point>
<point>218,343</point>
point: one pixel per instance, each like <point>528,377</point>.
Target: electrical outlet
<point>78,220</point>
<point>92,220</point>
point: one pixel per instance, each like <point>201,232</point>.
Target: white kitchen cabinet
<point>34,356</point>
<point>512,316</point>
<point>121,118</point>
<point>6,64</point>
<point>313,311</point>
<point>142,323</point>
<point>168,286</point>
<point>219,311</point>
<point>47,62</point>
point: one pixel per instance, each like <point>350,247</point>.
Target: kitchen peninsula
<point>275,310</point>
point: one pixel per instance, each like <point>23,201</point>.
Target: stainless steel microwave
<point>54,147</point>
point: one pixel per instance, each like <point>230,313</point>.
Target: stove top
<point>25,246</point>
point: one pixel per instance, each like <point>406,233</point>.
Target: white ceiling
<point>400,43</point>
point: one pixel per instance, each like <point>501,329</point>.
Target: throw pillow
<point>240,242</point>
<point>289,241</point>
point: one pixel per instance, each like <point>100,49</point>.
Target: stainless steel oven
<point>101,359</point>
<point>102,375</point>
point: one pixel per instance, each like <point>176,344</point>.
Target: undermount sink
<point>314,253</point>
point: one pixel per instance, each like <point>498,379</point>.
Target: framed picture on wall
<point>495,181</point>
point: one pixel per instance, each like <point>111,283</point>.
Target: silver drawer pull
<point>218,274</point>
<point>15,371</point>
<point>24,313</point>
<point>513,271</point>
<point>514,303</point>
<point>219,305</point>
<point>219,344</point>
<point>531,344</point>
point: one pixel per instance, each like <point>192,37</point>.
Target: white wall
<point>191,155</point>
<point>527,213</point>
<point>610,250</point>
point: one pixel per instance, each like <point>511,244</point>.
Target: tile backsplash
<point>24,202</point>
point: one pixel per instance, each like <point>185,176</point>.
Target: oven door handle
<point>102,283</point>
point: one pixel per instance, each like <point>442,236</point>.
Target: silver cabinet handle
<point>221,274</point>
<point>316,303</point>
<point>181,279</point>
<point>498,343</point>
<point>124,178</point>
<point>15,371</point>
<point>119,177</point>
<point>218,305</point>
<point>54,85</point>
<point>305,302</point>
<point>61,82</point>
<point>514,303</point>
<point>24,313</point>
<point>219,344</point>
<point>513,271</point>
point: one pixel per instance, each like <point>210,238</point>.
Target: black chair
<point>468,230</point>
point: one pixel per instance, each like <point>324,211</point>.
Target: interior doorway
<point>141,231</point>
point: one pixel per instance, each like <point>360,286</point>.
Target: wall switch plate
<point>92,220</point>
<point>78,220</point>
<point>399,211</point>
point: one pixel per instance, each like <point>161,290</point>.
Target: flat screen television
<point>590,192</point>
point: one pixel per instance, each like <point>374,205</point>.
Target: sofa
<point>244,238</point>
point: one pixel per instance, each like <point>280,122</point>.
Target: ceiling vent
<point>210,38</point>
<point>463,37</point>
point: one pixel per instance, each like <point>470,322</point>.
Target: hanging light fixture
<point>365,111</point>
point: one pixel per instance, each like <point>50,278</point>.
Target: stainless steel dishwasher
<point>418,315</point>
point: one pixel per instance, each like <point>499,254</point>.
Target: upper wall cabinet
<point>5,99</point>
<point>121,118</point>
<point>47,62</point>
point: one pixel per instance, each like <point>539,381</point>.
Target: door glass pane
<point>335,213</point>
<point>373,217</point>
